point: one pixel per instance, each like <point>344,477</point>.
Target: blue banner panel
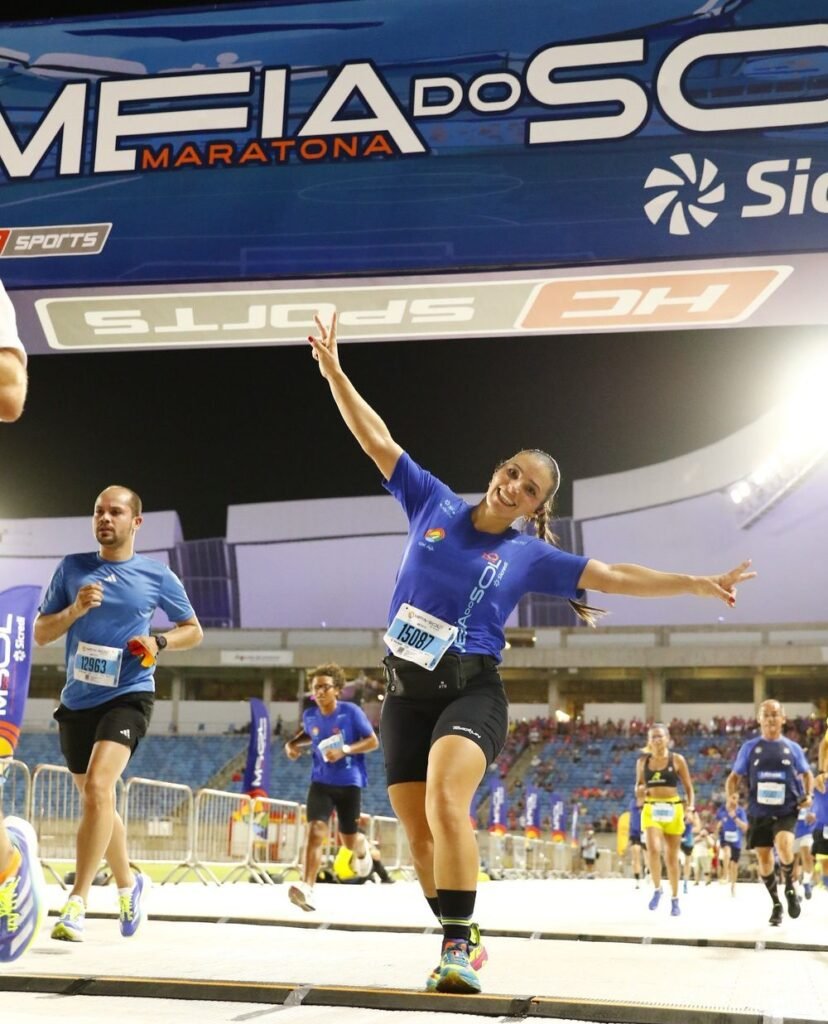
<point>18,608</point>
<point>300,139</point>
<point>498,807</point>
<point>256,779</point>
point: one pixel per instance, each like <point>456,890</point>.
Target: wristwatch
<point>161,641</point>
<point>346,749</point>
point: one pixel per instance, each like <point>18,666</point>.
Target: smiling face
<point>520,486</point>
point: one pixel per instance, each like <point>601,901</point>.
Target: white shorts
<point>803,843</point>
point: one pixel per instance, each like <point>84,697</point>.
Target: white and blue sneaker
<point>130,912</point>
<point>71,922</point>
<point>22,894</point>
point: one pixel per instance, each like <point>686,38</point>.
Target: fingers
<point>741,571</point>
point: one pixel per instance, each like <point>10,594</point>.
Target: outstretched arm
<point>364,423</point>
<point>639,581</point>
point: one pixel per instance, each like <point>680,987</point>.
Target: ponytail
<point>586,613</point>
<point>540,520</point>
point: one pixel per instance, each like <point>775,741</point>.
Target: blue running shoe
<point>70,924</point>
<point>674,907</point>
<point>22,894</point>
<point>655,899</point>
<point>456,972</point>
<point>477,957</point>
<point>809,889</point>
<point>130,913</point>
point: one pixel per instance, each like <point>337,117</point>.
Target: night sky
<point>198,430</point>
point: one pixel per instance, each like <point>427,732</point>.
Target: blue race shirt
<point>803,827</point>
<point>687,834</point>
<point>470,579</point>
<point>132,590</point>
<point>730,832</point>
<point>635,818</point>
<point>347,721</point>
<point>820,809</point>
<point>772,768</point>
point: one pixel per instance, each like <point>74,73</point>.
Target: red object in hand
<point>141,651</point>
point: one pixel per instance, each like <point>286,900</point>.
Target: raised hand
<point>324,347</point>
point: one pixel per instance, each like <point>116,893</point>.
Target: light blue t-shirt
<point>467,578</point>
<point>132,590</point>
<point>348,723</point>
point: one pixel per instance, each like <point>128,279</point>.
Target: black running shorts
<point>735,851</point>
<point>324,799</point>
<point>409,726</point>
<point>762,831</point>
<point>820,847</point>
<point>124,720</point>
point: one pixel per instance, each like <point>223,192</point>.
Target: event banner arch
<point>214,176</point>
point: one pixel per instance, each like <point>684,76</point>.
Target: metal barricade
<point>514,855</point>
<point>223,834</point>
<point>56,812</point>
<point>277,835</point>
<point>390,836</point>
<point>492,858</point>
<point>159,821</point>
<point>16,788</point>
<point>539,855</point>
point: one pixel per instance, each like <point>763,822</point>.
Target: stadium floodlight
<point>802,444</point>
<point>562,716</point>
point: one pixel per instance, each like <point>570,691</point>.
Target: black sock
<point>456,912</point>
<point>770,885</point>
<point>379,870</point>
<point>787,874</point>
<point>434,903</point>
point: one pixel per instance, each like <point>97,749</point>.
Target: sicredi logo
<point>685,190</point>
<point>54,240</point>
<point>685,194</point>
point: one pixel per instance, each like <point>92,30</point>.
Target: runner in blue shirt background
<point>463,571</point>
<point>339,735</point>
<point>779,782</point>
<point>802,848</point>
<point>103,602</point>
<point>820,808</point>
<point>635,839</point>
<point>731,826</point>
